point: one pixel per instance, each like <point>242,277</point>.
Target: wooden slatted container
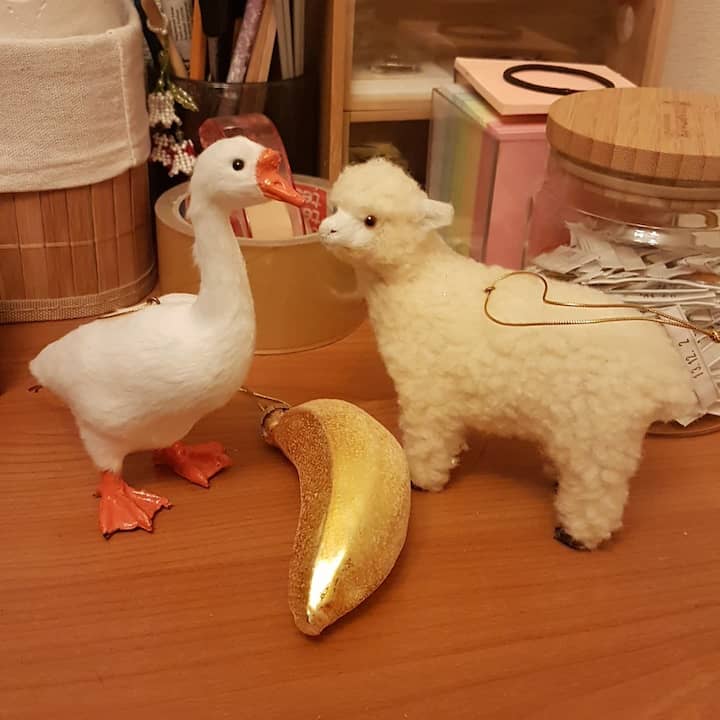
<point>76,252</point>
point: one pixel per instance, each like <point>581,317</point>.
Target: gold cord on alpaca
<point>659,317</point>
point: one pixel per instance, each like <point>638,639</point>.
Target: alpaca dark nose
<point>332,230</point>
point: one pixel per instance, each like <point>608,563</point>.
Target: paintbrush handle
<point>198,45</point>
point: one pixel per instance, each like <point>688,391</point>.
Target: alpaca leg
<point>593,487</point>
<point>588,514</point>
<point>432,444</point>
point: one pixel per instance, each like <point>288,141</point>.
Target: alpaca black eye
<point>370,221</point>
<point>238,164</point>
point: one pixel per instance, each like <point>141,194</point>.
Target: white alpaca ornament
<point>586,394</point>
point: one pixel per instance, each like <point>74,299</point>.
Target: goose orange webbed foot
<point>196,463</point>
<point>123,507</point>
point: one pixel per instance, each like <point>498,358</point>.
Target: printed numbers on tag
<point>692,361</point>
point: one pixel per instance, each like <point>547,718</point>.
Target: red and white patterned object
<point>314,208</point>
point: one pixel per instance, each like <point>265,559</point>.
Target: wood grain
<point>655,134</point>
<point>29,225</point>
<point>11,269</point>
<point>198,45</point>
<point>262,52</point>
<point>641,56</point>
<point>142,215</point>
<point>336,74</point>
<point>77,251</point>
<point>79,208</point>
<point>56,236</point>
<point>421,110</point>
<point>484,616</point>
<point>655,18</point>
<point>106,248</point>
<point>128,266</point>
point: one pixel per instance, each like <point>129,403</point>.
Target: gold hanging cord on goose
<point>266,403</point>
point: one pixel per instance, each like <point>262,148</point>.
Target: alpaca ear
<point>436,214</point>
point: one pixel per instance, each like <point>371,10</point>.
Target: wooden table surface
<point>484,616</point>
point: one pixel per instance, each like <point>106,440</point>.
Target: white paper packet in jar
<point>652,277</point>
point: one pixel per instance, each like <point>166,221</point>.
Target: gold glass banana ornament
<point>354,506</point>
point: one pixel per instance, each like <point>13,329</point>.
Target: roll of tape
<point>304,296</point>
<point>267,223</point>
<point>176,268</point>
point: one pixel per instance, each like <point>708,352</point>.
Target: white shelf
<point>393,93</point>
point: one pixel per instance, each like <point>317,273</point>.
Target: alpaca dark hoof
<point>564,537</point>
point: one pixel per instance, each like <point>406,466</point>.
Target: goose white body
<point>142,380</point>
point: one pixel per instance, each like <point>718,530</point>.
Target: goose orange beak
<point>271,183</point>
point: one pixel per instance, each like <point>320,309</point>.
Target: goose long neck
<point>224,287</point>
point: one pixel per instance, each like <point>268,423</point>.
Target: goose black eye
<point>370,221</point>
<point>238,164</point>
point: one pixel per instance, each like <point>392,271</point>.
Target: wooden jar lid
<point>655,135</point>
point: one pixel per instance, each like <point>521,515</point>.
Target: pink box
<point>489,165</point>
<point>489,169</point>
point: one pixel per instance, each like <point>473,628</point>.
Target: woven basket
<point>75,219</point>
<point>76,252</point>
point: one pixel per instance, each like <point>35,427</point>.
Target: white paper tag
<point>687,347</point>
<point>591,270</point>
<point>180,14</point>
<point>602,250</point>
<point>711,354</point>
<point>563,259</point>
<point>653,277</point>
<point>661,271</point>
<point>714,409</point>
<point>703,263</point>
<point>629,258</point>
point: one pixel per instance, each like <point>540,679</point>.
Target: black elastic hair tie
<point>510,73</point>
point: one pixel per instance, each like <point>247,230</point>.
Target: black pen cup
<point>290,104</point>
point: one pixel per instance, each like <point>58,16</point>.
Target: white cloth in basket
<point>72,92</point>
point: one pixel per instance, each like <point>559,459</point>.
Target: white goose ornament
<point>141,380</point>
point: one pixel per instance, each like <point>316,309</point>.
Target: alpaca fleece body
<point>585,394</point>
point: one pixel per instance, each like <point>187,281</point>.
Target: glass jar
<point>622,211</point>
<point>630,205</point>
